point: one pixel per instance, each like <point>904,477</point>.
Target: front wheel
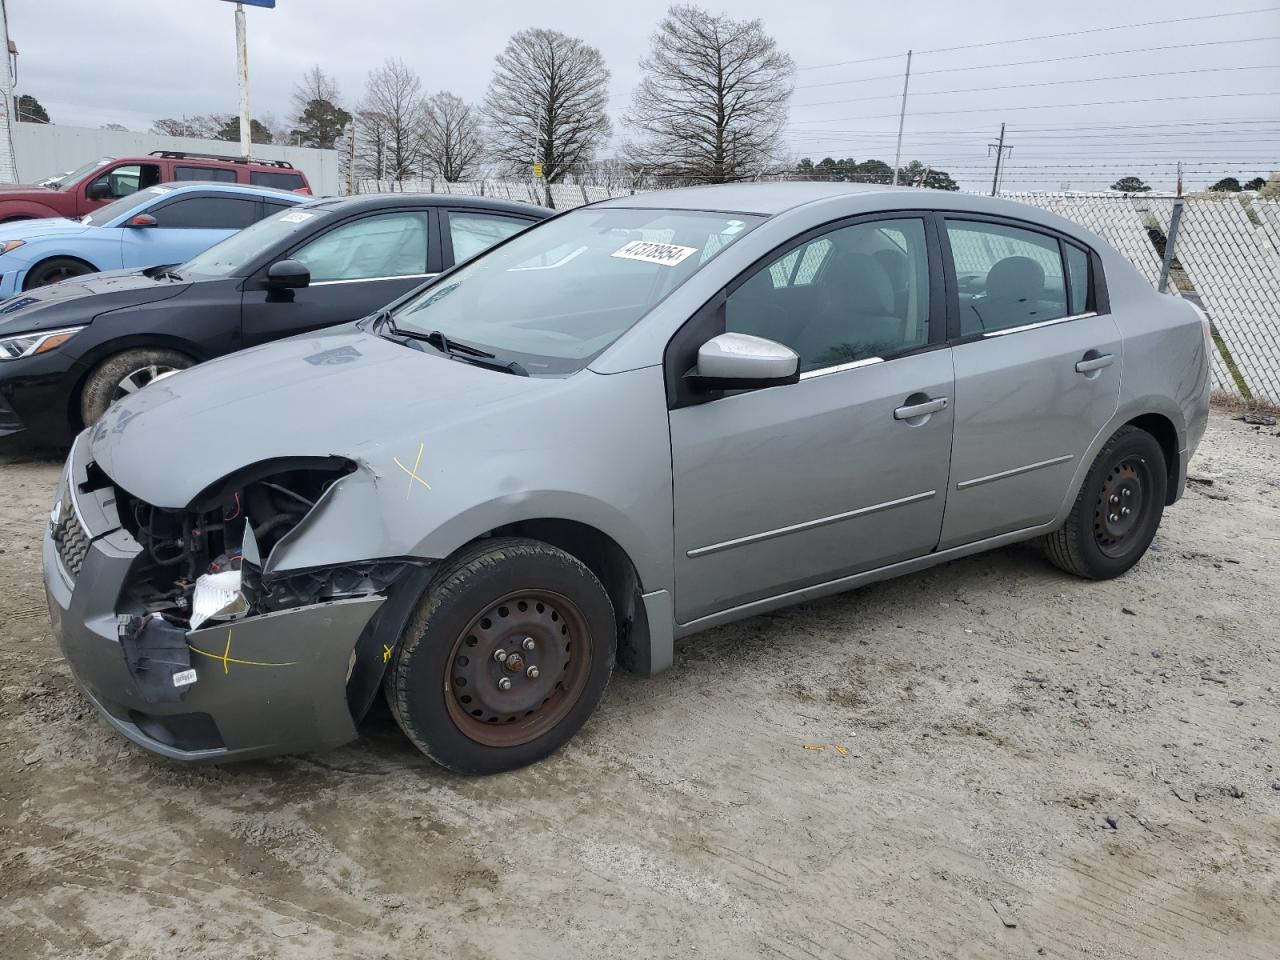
<point>117,377</point>
<point>55,270</point>
<point>509,652</point>
<point>1117,511</point>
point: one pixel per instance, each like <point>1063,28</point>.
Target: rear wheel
<point>126,373</point>
<point>508,654</point>
<point>54,270</point>
<point>1117,511</point>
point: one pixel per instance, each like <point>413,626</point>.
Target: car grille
<point>71,541</point>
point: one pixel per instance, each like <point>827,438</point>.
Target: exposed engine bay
<point>206,563</point>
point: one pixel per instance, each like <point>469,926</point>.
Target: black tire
<point>53,270</point>
<point>110,378</point>
<point>1118,509</point>
<point>494,595</point>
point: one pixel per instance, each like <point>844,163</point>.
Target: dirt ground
<point>990,759</point>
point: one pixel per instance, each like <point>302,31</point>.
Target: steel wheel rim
<point>530,705</point>
<point>1121,509</point>
<point>134,381</point>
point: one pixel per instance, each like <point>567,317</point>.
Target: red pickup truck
<point>102,181</point>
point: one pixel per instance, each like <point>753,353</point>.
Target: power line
<point>1053,36</point>
<point>1051,106</point>
<point>1046,83</point>
<point>1036,62</point>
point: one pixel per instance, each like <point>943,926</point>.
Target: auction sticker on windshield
<point>296,216</point>
<point>667,254</point>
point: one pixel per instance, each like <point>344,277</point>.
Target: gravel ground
<point>990,759</point>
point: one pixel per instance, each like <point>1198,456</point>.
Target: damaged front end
<point>179,631</point>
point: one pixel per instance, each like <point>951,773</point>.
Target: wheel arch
<point>1166,434</point>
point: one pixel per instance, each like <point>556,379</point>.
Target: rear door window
<point>281,181</point>
<point>208,213</point>
<point>217,174</point>
<point>1006,276</point>
<point>472,232</point>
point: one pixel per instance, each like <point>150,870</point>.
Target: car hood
<point>8,189</point>
<point>42,227</point>
<point>80,299</point>
<point>344,393</point>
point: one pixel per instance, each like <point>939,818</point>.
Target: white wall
<point>43,149</point>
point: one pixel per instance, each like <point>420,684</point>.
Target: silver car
<point>635,421</point>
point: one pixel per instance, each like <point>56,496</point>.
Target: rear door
<point>357,265</point>
<point>787,487</point>
<point>1037,362</point>
<point>186,225</point>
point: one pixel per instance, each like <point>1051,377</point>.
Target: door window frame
<point>708,320</point>
<point>164,203</point>
<point>1097,302</point>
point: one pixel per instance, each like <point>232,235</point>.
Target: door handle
<point>922,409</point>
<point>1090,364</point>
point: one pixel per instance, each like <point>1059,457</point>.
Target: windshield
<point>118,208</point>
<point>558,294</point>
<point>67,181</point>
<point>233,256</point>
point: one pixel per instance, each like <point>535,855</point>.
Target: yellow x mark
<point>413,474</point>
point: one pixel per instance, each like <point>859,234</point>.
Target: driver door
<point>790,486</point>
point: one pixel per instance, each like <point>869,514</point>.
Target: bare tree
<point>318,119</point>
<point>391,121</point>
<point>713,102</point>
<point>546,103</point>
<point>205,127</point>
<point>452,145</point>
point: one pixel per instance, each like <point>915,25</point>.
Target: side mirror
<point>288,275</point>
<point>141,220</point>
<point>100,190</point>
<point>739,361</point>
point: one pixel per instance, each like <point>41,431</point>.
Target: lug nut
<point>1128,492</point>
<point>1124,511</point>
<point>504,683</point>
<point>532,673</point>
<point>1114,498</point>
<point>528,643</point>
<point>1113,518</point>
<point>500,655</point>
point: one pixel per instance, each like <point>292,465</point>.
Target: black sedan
<point>69,350</point>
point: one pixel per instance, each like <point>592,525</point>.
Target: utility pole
<point>1000,149</point>
<point>8,165</point>
<point>242,55</point>
<point>902,117</point>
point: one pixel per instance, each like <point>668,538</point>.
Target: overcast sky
<point>92,63</point>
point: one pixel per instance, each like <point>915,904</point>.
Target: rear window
<point>218,174</point>
<point>281,181</point>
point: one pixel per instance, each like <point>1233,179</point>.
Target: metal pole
<point>1170,242</point>
<point>242,53</point>
<point>995,179</point>
<point>902,117</point>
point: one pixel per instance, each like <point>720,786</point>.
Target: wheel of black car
<point>508,653</point>
<point>53,270</point>
<point>126,373</point>
<point>1117,511</point>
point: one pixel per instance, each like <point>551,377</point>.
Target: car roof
<point>763,199</point>
<point>381,201</point>
<point>221,186</point>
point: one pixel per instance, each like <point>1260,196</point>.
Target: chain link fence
<point>1226,258</point>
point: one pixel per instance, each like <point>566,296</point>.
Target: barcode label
<point>184,678</point>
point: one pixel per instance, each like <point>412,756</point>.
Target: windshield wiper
<point>453,349</point>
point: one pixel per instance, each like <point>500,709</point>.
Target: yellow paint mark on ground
<point>814,746</point>
<point>413,474</point>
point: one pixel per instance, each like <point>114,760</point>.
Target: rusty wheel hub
<point>518,668</point>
